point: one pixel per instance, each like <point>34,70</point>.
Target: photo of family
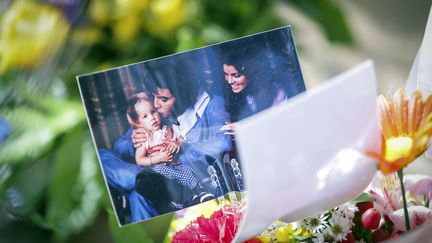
<point>164,129</point>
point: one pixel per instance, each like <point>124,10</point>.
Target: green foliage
<point>148,231</point>
<point>360,232</point>
<point>329,16</point>
<point>363,197</point>
<point>129,234</point>
<point>36,126</point>
<point>73,192</point>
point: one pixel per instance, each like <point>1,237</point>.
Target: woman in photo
<point>250,85</point>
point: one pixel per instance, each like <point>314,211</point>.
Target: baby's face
<point>148,117</point>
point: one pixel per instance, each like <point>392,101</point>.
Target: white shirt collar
<point>201,103</point>
<point>188,119</point>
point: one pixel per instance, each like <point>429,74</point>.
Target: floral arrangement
<point>374,216</point>
<point>221,226</point>
<point>392,205</point>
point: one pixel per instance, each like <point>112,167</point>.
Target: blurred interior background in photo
<point>51,186</point>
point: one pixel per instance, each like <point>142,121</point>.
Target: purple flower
<point>4,130</point>
<point>71,9</point>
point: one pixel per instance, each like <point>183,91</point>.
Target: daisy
<point>339,227</point>
<point>318,238</point>
<point>315,224</point>
<point>327,236</point>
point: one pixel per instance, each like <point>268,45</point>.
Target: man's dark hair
<point>173,74</point>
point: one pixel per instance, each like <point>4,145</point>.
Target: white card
<point>307,155</point>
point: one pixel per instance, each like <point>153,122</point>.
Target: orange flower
<point>406,127</point>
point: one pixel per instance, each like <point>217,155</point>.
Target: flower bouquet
<point>392,205</point>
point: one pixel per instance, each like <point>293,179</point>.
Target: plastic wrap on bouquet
<point>420,76</point>
<point>306,156</point>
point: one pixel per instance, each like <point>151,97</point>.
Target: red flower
<point>220,227</point>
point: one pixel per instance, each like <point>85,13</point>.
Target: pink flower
<point>418,215</point>
<point>388,199</point>
<point>418,184</point>
<point>386,193</point>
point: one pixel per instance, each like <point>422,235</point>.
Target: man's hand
<point>139,136</point>
<point>173,148</point>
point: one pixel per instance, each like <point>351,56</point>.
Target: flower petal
<point>387,117</point>
<point>418,184</point>
<point>400,108</point>
<point>418,215</point>
<point>415,112</point>
<point>427,110</point>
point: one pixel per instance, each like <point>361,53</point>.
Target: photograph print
<point>164,129</point>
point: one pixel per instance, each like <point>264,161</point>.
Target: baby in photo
<point>161,146</point>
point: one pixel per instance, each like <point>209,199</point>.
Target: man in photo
<point>201,116</point>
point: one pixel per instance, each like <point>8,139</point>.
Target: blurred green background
<point>51,186</point>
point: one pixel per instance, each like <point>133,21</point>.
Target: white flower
<point>345,213</point>
<point>318,238</point>
<point>328,236</point>
<point>339,227</point>
<point>347,210</point>
<point>314,224</point>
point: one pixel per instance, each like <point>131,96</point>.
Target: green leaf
<point>186,39</point>
<point>302,239</point>
<point>364,197</point>
<point>61,200</point>
<point>213,33</point>
<point>74,193</point>
<point>24,190</point>
<point>35,129</point>
<point>127,234</point>
<point>329,16</point>
<point>158,227</point>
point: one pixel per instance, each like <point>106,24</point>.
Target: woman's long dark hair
<point>251,61</point>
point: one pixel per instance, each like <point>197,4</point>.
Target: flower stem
<point>407,223</point>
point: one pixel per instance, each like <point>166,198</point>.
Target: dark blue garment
<point>124,147</point>
<point>205,142</point>
<point>122,176</point>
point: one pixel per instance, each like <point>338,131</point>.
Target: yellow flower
<point>165,16</point>
<point>100,11</point>
<point>264,238</point>
<point>204,209</point>
<point>87,35</point>
<point>406,127</point>
<point>31,34</point>
<point>132,6</point>
<point>284,234</point>
<point>126,28</point>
